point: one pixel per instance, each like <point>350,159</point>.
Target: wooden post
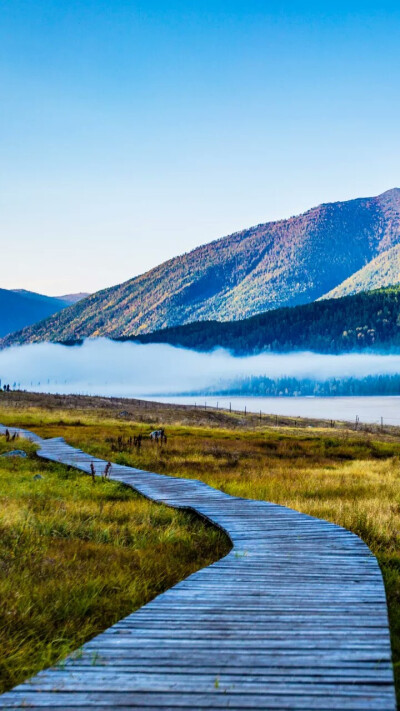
<point>245,410</point>
<point>381,423</point>
<point>276,420</point>
<point>230,407</point>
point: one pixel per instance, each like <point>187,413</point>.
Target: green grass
<point>75,557</point>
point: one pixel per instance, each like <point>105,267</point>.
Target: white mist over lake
<point>104,367</point>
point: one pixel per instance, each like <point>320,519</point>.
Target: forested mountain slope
<point>384,270</point>
<point>21,308</point>
<point>276,264</point>
<point>359,322</point>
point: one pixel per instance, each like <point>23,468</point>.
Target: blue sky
<point>131,132</point>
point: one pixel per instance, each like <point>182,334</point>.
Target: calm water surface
<point>367,409</point>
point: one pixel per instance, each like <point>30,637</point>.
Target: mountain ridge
<point>20,308</point>
<point>65,298</point>
<point>383,270</point>
<point>267,266</point>
<point>73,298</point>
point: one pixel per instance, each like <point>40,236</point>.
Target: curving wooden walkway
<point>294,617</point>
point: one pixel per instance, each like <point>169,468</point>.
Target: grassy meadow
<point>349,477</point>
<point>75,557</point>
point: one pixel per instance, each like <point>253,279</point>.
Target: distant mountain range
<point>369,320</point>
<point>73,298</point>
<point>20,308</point>
<point>333,249</point>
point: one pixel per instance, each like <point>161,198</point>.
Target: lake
<point>367,409</point>
<point>102,367</point>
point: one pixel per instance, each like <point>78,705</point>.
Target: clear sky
<point>133,131</point>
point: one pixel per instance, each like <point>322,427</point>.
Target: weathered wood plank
<point>213,700</point>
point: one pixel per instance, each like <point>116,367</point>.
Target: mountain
<point>67,299</point>
<point>73,298</point>
<point>284,263</point>
<point>350,323</point>
<point>19,308</point>
<point>384,270</point>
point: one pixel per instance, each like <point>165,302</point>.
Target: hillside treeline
<point>366,321</point>
<point>292,387</point>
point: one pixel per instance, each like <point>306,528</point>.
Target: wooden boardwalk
<point>294,617</point>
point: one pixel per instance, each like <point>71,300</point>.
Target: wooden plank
<point>213,700</point>
<point>294,617</point>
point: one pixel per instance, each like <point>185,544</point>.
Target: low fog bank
<point>103,367</point>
